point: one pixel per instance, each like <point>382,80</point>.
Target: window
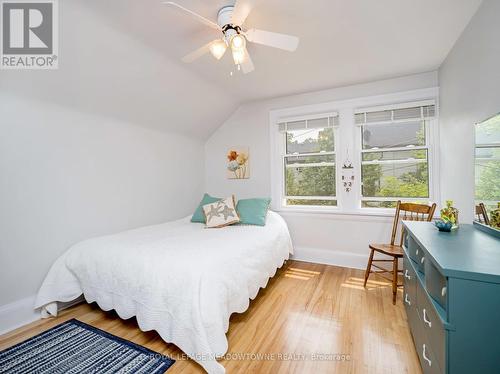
<point>394,155</point>
<point>308,161</point>
<point>487,163</point>
<point>355,156</point>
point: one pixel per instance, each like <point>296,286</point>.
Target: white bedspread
<point>177,278</point>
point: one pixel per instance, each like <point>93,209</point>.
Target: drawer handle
<point>416,251</point>
<point>422,260</point>
<point>407,276</point>
<point>425,318</point>
<point>425,356</point>
<point>443,291</point>
<point>407,301</point>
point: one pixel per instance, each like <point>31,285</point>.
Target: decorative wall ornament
<point>347,173</point>
<point>238,163</point>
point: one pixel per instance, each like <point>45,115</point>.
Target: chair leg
<point>368,267</point>
<point>394,279</point>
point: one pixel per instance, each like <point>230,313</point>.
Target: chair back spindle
<point>482,214</point>
<point>410,212</point>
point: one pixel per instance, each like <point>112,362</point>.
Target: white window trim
<point>280,144</point>
<point>347,137</point>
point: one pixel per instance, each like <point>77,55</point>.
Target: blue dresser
<point>452,298</point>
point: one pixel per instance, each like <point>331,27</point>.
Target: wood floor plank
<point>307,314</point>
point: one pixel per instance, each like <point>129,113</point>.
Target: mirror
<point>487,172</point>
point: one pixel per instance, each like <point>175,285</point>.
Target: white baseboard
<point>17,314</point>
<point>331,257</point>
<point>21,312</point>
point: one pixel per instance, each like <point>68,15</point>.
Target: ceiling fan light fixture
<point>238,56</point>
<point>238,42</point>
<point>230,22</point>
<point>218,48</point>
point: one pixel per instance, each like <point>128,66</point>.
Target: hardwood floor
<point>305,311</point>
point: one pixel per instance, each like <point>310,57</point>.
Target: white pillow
<point>221,213</point>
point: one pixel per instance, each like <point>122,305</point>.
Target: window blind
<point>313,123</point>
<point>409,113</point>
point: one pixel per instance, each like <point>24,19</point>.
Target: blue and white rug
<point>75,347</point>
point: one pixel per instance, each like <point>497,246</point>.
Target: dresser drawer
<point>425,353</point>
<point>412,247</point>
<point>413,321</point>
<point>409,283</point>
<point>432,328</point>
<point>416,253</point>
<point>436,284</point>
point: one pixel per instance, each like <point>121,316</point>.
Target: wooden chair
<point>481,214</point>
<point>405,211</point>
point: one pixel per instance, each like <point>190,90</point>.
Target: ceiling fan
<point>230,20</point>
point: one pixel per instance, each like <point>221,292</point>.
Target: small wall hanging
<point>347,174</point>
<point>238,163</point>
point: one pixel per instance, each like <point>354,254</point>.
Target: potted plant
<point>449,214</point>
<point>495,217</point>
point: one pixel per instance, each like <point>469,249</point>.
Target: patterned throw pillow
<point>221,213</point>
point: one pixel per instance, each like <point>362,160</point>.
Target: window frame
<point>347,140</point>
<point>430,124</point>
<point>482,146</point>
<point>281,148</point>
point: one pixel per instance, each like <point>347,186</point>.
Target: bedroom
<point>118,145</point>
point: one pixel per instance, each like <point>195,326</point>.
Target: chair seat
<point>388,249</point>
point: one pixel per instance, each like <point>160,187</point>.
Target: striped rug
<point>75,347</point>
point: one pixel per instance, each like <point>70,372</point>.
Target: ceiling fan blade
<point>273,39</point>
<point>197,53</point>
<point>242,9</point>
<point>196,16</point>
<point>247,64</point>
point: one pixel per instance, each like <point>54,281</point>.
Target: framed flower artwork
<point>238,159</point>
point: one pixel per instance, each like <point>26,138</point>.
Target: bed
<point>177,278</point>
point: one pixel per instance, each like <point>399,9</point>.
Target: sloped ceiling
<point>108,70</point>
<point>122,57</point>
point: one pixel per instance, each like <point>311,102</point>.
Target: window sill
<point>337,212</point>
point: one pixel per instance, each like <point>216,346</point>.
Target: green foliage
<point>449,213</point>
<point>488,168</point>
<point>312,202</point>
<point>488,182</point>
<point>394,187</point>
<point>310,181</point>
<point>409,184</point>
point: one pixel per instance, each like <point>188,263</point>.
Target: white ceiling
<point>107,70</point>
<point>342,41</point>
<point>121,58</point>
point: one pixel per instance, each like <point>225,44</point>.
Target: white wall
<point>470,92</point>
<point>66,176</point>
<point>74,162</point>
<point>109,70</point>
<point>341,239</point>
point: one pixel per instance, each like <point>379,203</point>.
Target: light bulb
<point>238,56</point>
<point>218,48</point>
<point>238,42</point>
